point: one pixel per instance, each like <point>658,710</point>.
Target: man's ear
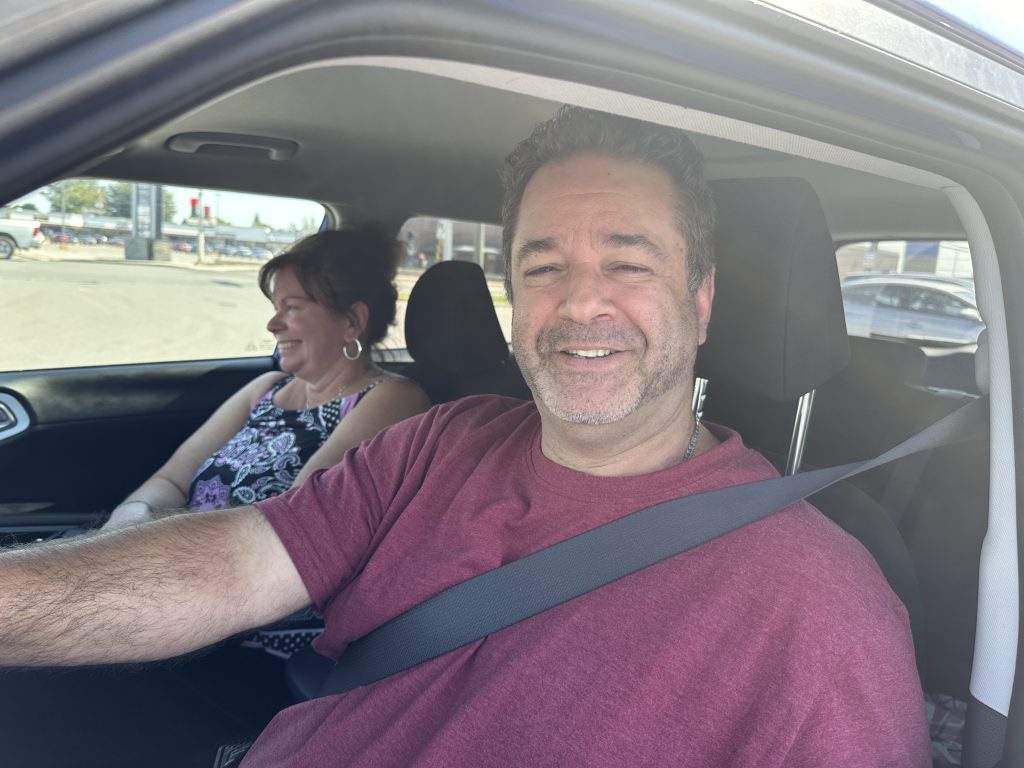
<point>703,298</point>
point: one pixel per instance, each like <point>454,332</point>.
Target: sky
<point>276,212</point>
<point>281,213</point>
<point>1002,20</point>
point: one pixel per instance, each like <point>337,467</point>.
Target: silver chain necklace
<point>341,392</point>
<point>693,440</point>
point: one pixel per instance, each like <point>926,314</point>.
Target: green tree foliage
<point>78,196</point>
<point>119,200</point>
<point>170,207</point>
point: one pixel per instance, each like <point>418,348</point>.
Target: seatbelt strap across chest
<point>523,588</point>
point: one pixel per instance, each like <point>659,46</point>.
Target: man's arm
<point>146,592</point>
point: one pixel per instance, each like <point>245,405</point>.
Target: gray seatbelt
<point>518,590</point>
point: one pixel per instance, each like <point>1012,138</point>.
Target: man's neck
<point>655,437</point>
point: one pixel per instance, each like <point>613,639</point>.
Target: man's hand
<point>145,592</point>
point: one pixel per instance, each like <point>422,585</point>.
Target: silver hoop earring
<point>359,351</point>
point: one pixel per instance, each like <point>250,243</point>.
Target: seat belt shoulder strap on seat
<point>523,588</point>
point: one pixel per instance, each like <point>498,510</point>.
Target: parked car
<point>18,233</point>
<point>904,123</point>
<point>181,246</point>
<point>923,309</point>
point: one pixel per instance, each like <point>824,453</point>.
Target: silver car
<point>924,309</point>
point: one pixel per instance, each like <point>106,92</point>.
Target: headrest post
<point>801,422</point>
<point>700,390</point>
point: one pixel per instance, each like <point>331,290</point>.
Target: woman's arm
<point>146,592</point>
<point>391,401</point>
<point>167,488</point>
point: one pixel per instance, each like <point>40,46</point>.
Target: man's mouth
<point>287,344</point>
<point>588,353</point>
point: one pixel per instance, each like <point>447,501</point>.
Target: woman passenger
<point>334,297</point>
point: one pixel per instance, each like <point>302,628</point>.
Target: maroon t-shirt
<point>777,645</point>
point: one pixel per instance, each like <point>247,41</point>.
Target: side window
<point>428,240</point>
<point>862,294</point>
<point>927,290</point>
<point>99,272</point>
<point>890,296</point>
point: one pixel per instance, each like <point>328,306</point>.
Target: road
<point>71,308</point>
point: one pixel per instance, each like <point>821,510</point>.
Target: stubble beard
<point>571,396</point>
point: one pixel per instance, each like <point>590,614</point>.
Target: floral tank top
<point>267,454</point>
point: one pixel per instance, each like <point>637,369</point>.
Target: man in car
<point>779,644</point>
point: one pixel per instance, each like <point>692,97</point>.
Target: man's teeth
<point>588,352</point>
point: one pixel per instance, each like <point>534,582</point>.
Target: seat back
<point>778,331</point>
<point>454,337</point>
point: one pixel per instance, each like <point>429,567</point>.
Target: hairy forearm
<point>147,592</point>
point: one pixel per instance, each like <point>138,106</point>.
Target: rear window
<point>428,240</point>
<point>918,292</point>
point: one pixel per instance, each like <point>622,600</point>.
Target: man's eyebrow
<point>622,240</point>
<point>531,247</point>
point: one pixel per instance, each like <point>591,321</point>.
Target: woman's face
<point>309,336</point>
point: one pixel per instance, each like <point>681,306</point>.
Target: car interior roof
<point>381,140</point>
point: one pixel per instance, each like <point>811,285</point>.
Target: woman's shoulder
<point>266,385</point>
<point>392,385</point>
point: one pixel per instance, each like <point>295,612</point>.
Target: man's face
<point>603,323</point>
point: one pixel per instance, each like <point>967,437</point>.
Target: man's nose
<point>587,294</point>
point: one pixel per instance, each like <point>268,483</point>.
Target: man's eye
<point>538,271</point>
<point>631,268</point>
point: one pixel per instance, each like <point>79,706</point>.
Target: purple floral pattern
<point>265,456</point>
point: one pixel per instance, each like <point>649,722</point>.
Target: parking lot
<point>217,310</point>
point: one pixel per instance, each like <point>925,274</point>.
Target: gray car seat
<point>454,337</point>
<point>777,333</point>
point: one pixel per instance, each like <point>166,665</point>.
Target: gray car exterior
<point>922,309</point>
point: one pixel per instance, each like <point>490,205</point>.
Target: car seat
<point>777,333</point>
<point>454,337</point>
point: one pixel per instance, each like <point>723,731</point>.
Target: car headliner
<point>387,142</point>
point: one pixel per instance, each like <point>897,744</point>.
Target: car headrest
<point>981,363</point>
<point>777,324</point>
<point>450,322</point>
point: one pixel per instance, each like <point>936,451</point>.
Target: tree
<point>257,223</point>
<point>170,207</point>
<point>119,200</point>
<point>25,207</point>
<point>78,196</point>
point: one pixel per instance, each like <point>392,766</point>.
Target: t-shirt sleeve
<point>331,523</point>
<point>867,707</point>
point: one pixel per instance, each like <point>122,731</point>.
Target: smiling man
<point>779,644</point>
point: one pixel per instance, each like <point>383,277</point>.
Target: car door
<point>888,312</point>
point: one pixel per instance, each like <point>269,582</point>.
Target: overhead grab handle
<point>191,143</point>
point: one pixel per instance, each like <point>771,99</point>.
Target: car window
<point>121,273</point>
<point>428,240</point>
<point>919,292</point>
<point>861,294</point>
<point>891,296</point>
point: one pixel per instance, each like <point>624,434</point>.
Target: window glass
<point>428,240</point>
<point>116,273</point>
<point>923,295</point>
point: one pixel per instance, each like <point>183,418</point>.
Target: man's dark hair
<point>576,131</point>
<point>337,268</point>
